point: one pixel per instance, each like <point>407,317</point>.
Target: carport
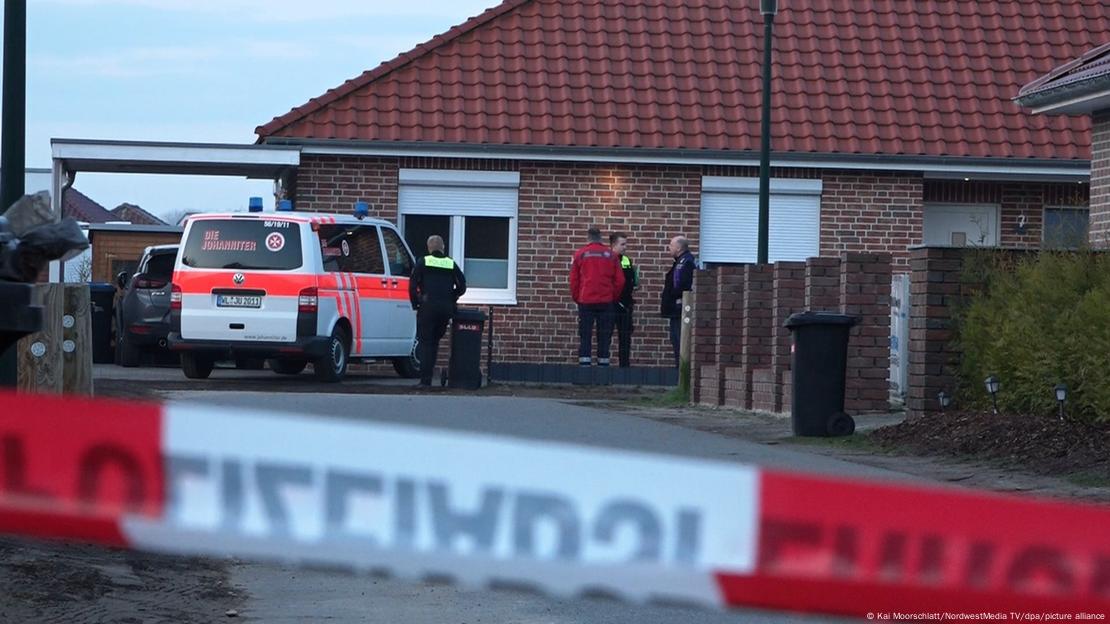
<point>259,162</point>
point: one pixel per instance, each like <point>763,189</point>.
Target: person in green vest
<point>618,241</point>
<point>436,284</point>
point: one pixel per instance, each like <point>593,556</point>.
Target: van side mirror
<point>122,279</point>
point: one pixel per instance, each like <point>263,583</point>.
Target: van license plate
<point>238,301</point>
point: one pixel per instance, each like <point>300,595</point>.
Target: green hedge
<point>1040,320</point>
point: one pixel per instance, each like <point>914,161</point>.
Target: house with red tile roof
<point>1082,87</point>
<point>893,125</point>
<point>79,206</point>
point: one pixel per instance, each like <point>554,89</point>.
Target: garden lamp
<point>1061,398</point>
<point>992,388</point>
<point>944,400</point>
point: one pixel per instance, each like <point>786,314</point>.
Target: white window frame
<point>480,179</point>
<point>1044,221</point>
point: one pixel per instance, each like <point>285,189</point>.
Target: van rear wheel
<point>408,367</point>
<point>196,367</point>
<point>332,366</point>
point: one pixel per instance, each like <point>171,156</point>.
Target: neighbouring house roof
<point>924,78</point>
<point>78,205</point>
<point>136,215</point>
<point>1081,85</point>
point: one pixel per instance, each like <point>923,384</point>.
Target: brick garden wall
<point>751,369</point>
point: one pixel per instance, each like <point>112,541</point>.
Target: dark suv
<point>143,311</point>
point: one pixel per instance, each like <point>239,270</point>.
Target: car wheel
<point>332,366</point>
<point>288,367</point>
<point>127,355</point>
<point>408,367</point>
<point>196,367</point>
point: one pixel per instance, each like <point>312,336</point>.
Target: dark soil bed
<point>1038,444</point>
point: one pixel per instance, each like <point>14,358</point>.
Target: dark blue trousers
<point>590,314</point>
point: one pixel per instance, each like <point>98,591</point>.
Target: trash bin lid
<point>101,287</point>
<point>808,317</point>
<point>469,314</point>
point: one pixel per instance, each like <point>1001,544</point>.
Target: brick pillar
<point>865,292</point>
<point>789,297</point>
<point>822,284</point>
<point>730,328</point>
<point>705,379</point>
<point>755,339</point>
<point>934,289</point>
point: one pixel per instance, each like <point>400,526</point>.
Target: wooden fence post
<point>77,340</point>
<point>40,353</point>
<point>684,343</point>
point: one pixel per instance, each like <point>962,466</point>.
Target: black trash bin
<point>465,367</point>
<point>818,365</point>
<point>101,306</point>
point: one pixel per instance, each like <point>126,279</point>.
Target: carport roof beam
<point>265,162</point>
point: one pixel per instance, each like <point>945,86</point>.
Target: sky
<point>201,71</point>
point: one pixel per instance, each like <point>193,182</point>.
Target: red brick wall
<point>557,203</point>
<point>860,212</point>
<point>1100,180</point>
<point>335,183</point>
<point>871,212</point>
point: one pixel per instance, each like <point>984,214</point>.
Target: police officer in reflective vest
<point>618,242</point>
<point>436,285</point>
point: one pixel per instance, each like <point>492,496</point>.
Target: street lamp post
<point>12,136</point>
<point>768,8</point>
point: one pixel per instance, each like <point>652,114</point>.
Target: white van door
<point>352,253</point>
<point>400,263</point>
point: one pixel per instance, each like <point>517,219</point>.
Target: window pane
<point>419,227</point>
<point>243,244</point>
<point>400,262</point>
<point>486,261</point>
<point>1065,227</point>
<point>160,265</point>
<point>351,249</point>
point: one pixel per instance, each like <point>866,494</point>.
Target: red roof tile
<point>928,77</point>
<point>78,205</point>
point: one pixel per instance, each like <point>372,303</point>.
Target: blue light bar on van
<point>255,204</point>
<point>285,204</point>
<point>362,209</point>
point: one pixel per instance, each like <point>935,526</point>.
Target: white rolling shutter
<point>479,193</point>
<point>730,219</point>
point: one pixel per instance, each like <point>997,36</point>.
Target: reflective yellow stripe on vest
<point>626,263</point>
<point>439,263</point>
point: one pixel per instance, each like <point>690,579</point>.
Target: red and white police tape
<point>566,519</point>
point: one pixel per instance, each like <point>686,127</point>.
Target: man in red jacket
<point>596,282</point>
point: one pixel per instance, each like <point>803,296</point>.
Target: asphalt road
<point>276,593</point>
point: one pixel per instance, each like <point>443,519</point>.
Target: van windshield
<point>250,244</point>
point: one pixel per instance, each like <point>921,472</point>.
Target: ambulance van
<point>295,289</point>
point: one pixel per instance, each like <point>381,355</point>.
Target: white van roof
<point>321,218</point>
